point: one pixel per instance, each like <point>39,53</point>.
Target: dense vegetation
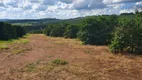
<point>71,31</point>
<point>121,34</point>
<point>8,31</point>
<point>128,36</point>
<point>97,30</point>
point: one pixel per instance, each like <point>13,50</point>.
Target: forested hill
<point>41,21</point>
<point>37,24</point>
<point>54,20</point>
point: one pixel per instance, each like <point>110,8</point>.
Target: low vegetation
<point>59,62</point>
<point>30,67</point>
<point>5,44</point>
<point>122,35</point>
<point>8,31</point>
<point>39,57</point>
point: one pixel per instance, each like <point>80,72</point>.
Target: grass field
<point>38,57</point>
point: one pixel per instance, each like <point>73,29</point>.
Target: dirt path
<point>34,61</point>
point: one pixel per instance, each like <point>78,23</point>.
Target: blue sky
<point>64,9</point>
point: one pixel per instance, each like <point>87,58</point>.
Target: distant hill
<point>4,20</point>
<point>36,24</point>
<point>31,20</point>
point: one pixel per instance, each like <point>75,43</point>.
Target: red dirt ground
<point>34,61</point>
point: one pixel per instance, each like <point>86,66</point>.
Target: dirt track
<point>34,61</point>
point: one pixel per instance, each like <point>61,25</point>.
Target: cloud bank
<point>64,9</point>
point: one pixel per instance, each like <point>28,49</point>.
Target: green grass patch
<point>4,44</point>
<point>59,62</point>
<point>23,40</point>
<point>27,35</point>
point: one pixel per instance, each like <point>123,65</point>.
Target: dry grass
<point>85,62</point>
<point>62,41</point>
<point>18,51</point>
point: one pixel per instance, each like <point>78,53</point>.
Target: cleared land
<point>38,57</point>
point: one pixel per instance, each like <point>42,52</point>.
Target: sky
<point>64,9</point>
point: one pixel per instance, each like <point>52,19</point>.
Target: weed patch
<point>30,67</point>
<point>3,46</point>
<point>59,62</point>
<point>19,51</point>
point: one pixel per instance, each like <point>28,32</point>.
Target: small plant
<point>27,35</point>
<point>25,41</point>
<point>21,41</point>
<point>30,67</point>
<point>59,62</point>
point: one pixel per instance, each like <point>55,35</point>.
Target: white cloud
<point>2,5</point>
<point>139,4</point>
<point>64,8</point>
<point>116,6</point>
<point>34,1</point>
<point>127,11</point>
<point>42,8</point>
<point>89,4</point>
<point>49,2</point>
<point>118,1</point>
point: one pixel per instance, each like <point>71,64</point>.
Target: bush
<point>7,31</point>
<point>71,31</point>
<point>55,30</point>
<point>36,32</point>
<point>127,38</point>
<point>48,29</point>
<point>96,31</point>
<point>60,62</point>
<point>20,31</point>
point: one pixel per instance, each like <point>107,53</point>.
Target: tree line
<point>120,35</point>
<point>8,31</point>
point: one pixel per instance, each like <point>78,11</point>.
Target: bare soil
<point>33,61</point>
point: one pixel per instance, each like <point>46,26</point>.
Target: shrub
<point>20,31</point>
<point>71,31</point>
<point>55,30</point>
<point>96,31</point>
<point>59,62</point>
<point>8,31</point>
<point>127,38</point>
<point>48,29</point>
<point>36,32</point>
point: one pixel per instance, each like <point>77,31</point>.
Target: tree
<point>96,31</point>
<point>20,31</point>
<point>71,31</point>
<point>8,31</point>
<point>127,37</point>
<point>55,30</point>
<point>48,29</point>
